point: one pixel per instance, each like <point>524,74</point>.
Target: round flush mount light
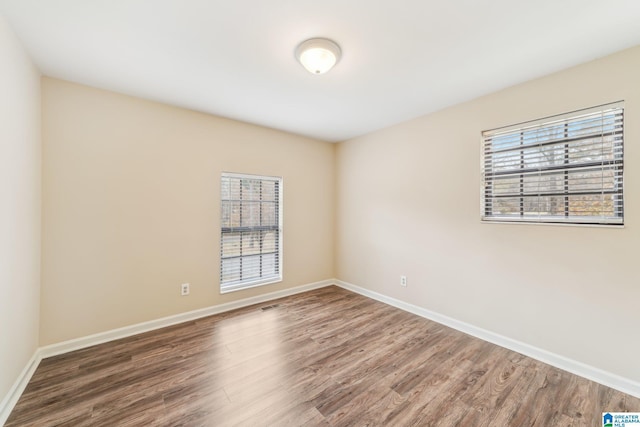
<point>318,55</point>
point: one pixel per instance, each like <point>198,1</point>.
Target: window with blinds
<point>562,169</point>
<point>251,231</point>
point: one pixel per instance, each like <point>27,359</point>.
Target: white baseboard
<point>127,331</point>
<point>614,381</point>
<point>10,400</point>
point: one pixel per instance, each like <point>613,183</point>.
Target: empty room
<point>337,213</point>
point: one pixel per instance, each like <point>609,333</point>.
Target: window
<point>562,169</point>
<point>251,231</point>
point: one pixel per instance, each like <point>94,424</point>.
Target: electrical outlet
<point>184,289</point>
<point>403,281</point>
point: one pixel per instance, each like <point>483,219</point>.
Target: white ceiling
<point>234,58</point>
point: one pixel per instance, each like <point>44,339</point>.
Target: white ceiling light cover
<point>318,55</point>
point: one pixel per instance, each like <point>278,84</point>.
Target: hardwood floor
<point>326,357</point>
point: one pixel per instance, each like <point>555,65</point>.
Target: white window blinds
<point>562,169</point>
<point>251,231</point>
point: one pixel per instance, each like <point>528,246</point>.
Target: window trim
<point>566,119</point>
<point>247,284</point>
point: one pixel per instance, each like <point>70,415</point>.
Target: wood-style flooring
<point>327,357</point>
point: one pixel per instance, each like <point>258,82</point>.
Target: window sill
<point>558,224</point>
<point>249,285</point>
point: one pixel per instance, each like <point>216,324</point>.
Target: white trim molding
<point>600,376</point>
<point>10,400</point>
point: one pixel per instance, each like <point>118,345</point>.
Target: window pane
<point>230,270</point>
<point>507,161</point>
<point>270,242</point>
<point>543,183</point>
<point>545,206</point>
<point>234,189</point>
<point>591,180</point>
<point>230,245</point>
<point>592,205</point>
<point>269,264</point>
<point>269,191</point>
<point>250,267</point>
<point>251,243</point>
<point>251,189</point>
<point>230,214</point>
<point>506,206</point>
<point>250,213</point>
<point>269,213</point>
<point>506,185</point>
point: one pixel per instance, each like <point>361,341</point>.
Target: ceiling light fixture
<point>318,55</point>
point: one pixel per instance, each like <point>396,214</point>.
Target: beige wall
<point>408,202</point>
<point>131,207</point>
<point>19,208</point>
<point>131,210</point>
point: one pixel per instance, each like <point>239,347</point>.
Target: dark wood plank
<point>322,358</point>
